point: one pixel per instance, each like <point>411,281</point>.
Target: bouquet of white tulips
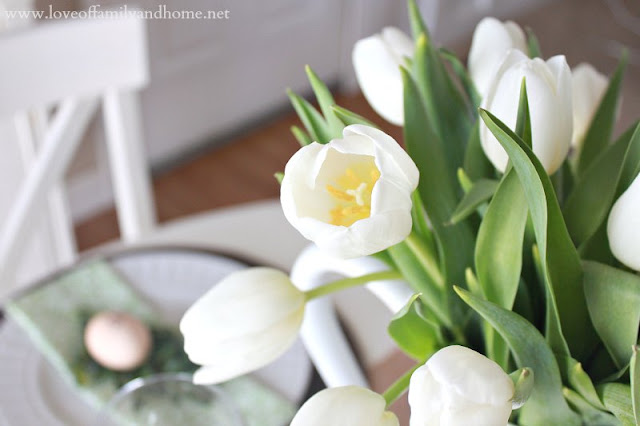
<point>514,214</point>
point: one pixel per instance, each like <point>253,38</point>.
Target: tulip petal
<point>243,323</point>
<point>376,61</point>
<point>491,41</point>
<point>623,227</point>
<point>345,406</point>
<point>550,107</point>
<point>588,87</point>
<point>387,149</point>
<point>373,159</point>
<point>459,386</point>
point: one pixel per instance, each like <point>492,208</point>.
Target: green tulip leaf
<point>591,416</point>
<point>348,117</point>
<point>437,187</point>
<point>613,298</point>
<point>418,27</point>
<point>581,383</point>
<point>431,291</point>
<point>463,77</point>
<point>498,254</point>
<point>444,104</point>
<point>631,167</point>
<point>420,224</point>
<point>326,102</point>
<point>617,398</point>
<point>546,405</point>
<point>599,133</point>
<point>476,164</point>
<point>567,314</point>
<point>589,204</point>
<point>301,136</point>
<point>416,336</point>
<point>311,118</point>
<point>634,372</point>
<point>533,45</point>
<point>480,192</point>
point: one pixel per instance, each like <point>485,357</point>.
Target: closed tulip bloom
<point>345,406</point>
<point>588,89</point>
<point>460,387</point>
<point>491,41</point>
<point>351,196</point>
<point>550,107</point>
<point>623,227</point>
<point>377,61</point>
<point>243,323</point>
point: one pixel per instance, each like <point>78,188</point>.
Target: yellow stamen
<point>352,193</point>
<point>340,195</point>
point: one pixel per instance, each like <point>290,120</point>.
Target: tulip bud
<point>550,107</point>
<point>351,196</point>
<point>243,323</point>
<point>491,41</point>
<point>345,406</point>
<point>377,60</point>
<point>460,387</point>
<point>623,227</point>
<point>588,88</point>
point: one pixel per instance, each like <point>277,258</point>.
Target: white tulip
<point>243,323</point>
<point>491,41</point>
<point>459,387</point>
<point>588,88</point>
<point>377,61</point>
<point>345,406</point>
<point>351,196</point>
<point>623,227</point>
<point>550,107</point>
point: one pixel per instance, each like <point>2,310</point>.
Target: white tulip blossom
<point>491,41</point>
<point>351,196</point>
<point>623,227</point>
<point>377,60</point>
<point>550,107</point>
<point>243,323</point>
<point>460,387</point>
<point>345,406</point>
<point>588,89</point>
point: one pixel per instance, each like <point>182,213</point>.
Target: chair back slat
<point>81,58</point>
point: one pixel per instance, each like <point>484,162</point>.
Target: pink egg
<point>117,340</point>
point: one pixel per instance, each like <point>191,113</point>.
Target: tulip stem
<point>399,387</point>
<point>345,283</point>
<point>426,258</point>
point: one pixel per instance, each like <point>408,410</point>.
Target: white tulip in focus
<point>491,41</point>
<point>623,227</point>
<point>377,61</point>
<point>588,88</point>
<point>550,107</point>
<point>243,323</point>
<point>345,406</point>
<point>460,387</point>
<point>351,196</point>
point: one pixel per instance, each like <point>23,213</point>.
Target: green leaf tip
<point>279,176</point>
<point>524,382</point>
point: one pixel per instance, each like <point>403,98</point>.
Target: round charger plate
<point>31,391</point>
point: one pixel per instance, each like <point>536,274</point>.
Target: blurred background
<point>215,115</point>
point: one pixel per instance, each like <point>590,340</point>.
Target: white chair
<point>72,66</point>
